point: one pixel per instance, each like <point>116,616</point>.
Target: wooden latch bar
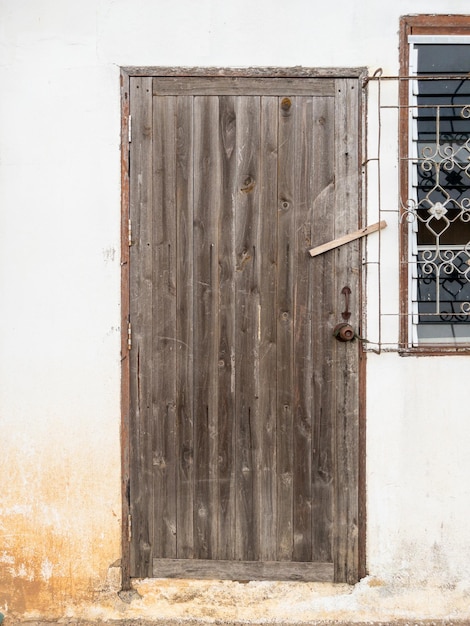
<point>335,243</point>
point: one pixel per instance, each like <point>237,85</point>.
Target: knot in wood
<point>248,185</point>
<point>286,104</point>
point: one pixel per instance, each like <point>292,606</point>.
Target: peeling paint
<point>46,570</point>
<point>58,534</point>
<point>179,601</point>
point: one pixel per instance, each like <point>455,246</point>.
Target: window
<point>435,189</point>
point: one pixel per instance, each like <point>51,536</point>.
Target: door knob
<point>344,332</point>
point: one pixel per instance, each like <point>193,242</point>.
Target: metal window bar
<point>436,214</point>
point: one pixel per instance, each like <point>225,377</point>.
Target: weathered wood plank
<point>207,190</point>
<point>285,338</point>
<point>340,241</point>
<point>242,570</point>
<point>141,361</point>
<point>303,330</point>
<point>226,349</point>
<point>231,86</point>
<point>321,271</point>
<point>185,331</point>
<point>246,316</point>
<point>346,355</point>
<point>267,328</point>
<point>249,72</point>
<point>164,338</point>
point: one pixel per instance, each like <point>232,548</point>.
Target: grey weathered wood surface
<point>346,356</point>
<point>207,190</point>
<point>302,322</point>
<point>243,407</point>
<point>245,312</point>
<point>267,316</point>
<point>324,317</point>
<point>340,241</point>
<point>285,325</point>
<point>175,85</point>
<point>227,300</point>
<point>297,71</point>
<point>183,345</point>
<point>164,319</point>
<point>243,570</point>
<point>141,294</point>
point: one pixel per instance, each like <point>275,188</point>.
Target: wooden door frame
<point>127,73</point>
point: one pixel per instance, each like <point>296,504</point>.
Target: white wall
<point>60,288</point>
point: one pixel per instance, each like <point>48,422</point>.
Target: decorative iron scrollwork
<point>439,213</point>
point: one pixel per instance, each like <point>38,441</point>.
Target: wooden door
<point>244,409</point>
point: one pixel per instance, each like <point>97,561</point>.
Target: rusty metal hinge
<point>129,336</point>
<point>129,528</point>
<point>129,129</point>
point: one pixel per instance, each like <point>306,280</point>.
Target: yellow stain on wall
<point>60,526</point>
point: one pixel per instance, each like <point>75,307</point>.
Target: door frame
<point>359,73</point>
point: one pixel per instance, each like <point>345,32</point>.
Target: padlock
<point>344,332</point>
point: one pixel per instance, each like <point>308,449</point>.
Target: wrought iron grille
<point>439,212</point>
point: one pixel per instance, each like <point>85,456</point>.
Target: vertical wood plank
<point>246,320</point>
<point>164,325</point>
<point>141,362</point>
<point>302,313</point>
<point>346,355</point>
<point>226,349</point>
<point>206,321</point>
<point>285,338</point>
<point>185,331</point>
<point>323,320</point>
<point>267,328</point>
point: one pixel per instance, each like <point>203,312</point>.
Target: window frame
<point>424,25</point>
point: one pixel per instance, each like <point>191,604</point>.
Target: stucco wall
<point>60,294</point>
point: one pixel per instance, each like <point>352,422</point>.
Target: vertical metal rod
<point>379,204</point>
